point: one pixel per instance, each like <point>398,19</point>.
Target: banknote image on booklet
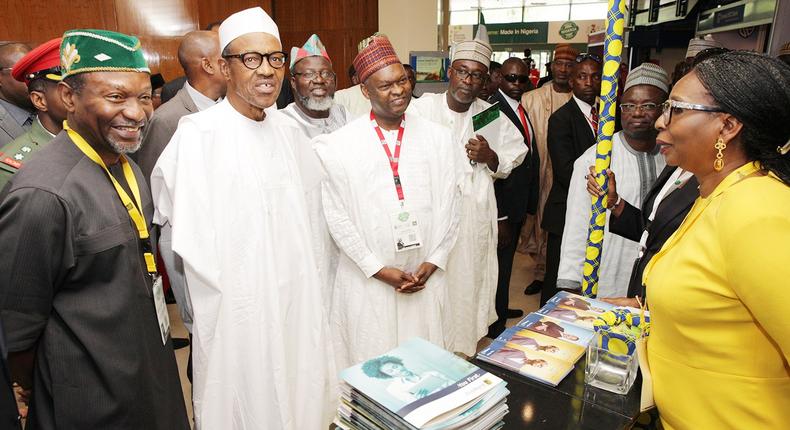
<point>420,386</point>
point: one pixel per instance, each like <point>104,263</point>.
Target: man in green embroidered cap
<point>80,297</point>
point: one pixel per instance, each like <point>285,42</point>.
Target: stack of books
<point>420,386</point>
<point>546,344</point>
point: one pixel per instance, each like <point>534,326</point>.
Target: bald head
<point>11,90</point>
<point>195,46</point>
<point>199,56</point>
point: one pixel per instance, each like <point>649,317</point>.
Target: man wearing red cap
<point>40,71</point>
<point>390,201</point>
<point>540,104</point>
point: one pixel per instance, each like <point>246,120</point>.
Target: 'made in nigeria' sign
<point>517,32</point>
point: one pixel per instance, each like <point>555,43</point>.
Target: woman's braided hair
<point>755,89</point>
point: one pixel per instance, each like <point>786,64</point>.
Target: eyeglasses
<point>672,106</point>
<point>512,78</point>
<point>587,56</point>
<point>463,74</point>
<point>253,60</point>
<point>645,107</point>
<point>310,75</point>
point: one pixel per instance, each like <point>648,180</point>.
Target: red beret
<point>46,56</point>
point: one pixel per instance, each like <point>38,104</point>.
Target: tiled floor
<point>522,276</point>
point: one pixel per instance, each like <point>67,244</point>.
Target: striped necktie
<point>594,120</point>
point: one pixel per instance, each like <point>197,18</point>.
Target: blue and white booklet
<point>420,386</point>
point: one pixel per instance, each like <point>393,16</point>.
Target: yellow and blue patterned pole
<point>613,48</point>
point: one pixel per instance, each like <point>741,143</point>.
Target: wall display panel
<point>160,24</point>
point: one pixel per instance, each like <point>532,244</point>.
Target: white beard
<point>317,105</point>
<point>119,149</point>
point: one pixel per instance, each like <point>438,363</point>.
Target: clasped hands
<point>405,282</point>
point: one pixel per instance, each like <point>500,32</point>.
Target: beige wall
<point>411,25</point>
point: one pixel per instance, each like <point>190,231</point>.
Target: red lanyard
<point>394,161</point>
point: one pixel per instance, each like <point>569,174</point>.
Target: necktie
<point>594,120</point>
<point>523,117</point>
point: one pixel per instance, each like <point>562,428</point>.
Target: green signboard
<point>517,32</point>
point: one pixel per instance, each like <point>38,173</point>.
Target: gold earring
<point>718,164</point>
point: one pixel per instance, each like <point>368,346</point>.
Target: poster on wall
<point>573,31</point>
<point>429,66</point>
<point>460,33</point>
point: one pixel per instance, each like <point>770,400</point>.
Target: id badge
<point>161,309</point>
<point>405,230</point>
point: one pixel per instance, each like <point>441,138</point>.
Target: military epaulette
<point>10,161</point>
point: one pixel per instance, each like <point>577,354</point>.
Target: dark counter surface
<point>570,405</point>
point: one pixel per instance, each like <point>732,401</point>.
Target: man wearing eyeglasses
<point>315,112</point>
<point>472,268</point>
<point>636,161</point>
<point>572,129</point>
<point>16,110</point>
<point>230,186</point>
<point>314,82</point>
<point>517,195</point>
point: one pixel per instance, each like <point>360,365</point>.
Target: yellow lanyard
<point>134,210</point>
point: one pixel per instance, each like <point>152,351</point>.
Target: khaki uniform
<point>17,152</point>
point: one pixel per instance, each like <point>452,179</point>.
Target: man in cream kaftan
<point>369,317</point>
<point>472,267</point>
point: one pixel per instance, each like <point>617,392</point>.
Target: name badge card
<point>405,230</point>
<point>161,309</point>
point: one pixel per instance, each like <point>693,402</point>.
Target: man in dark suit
<point>9,415</point>
<point>518,194</point>
<point>572,129</point>
<point>664,209</point>
<point>16,110</point>
<point>198,55</point>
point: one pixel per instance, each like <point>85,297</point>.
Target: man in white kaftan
<point>382,296</point>
<point>472,267</point>
<point>636,172</point>
<point>635,160</point>
<point>229,184</point>
<point>313,84</point>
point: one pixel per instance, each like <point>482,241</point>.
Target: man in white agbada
<point>314,110</point>
<point>390,202</point>
<point>480,158</point>
<point>635,161</point>
<point>229,184</point>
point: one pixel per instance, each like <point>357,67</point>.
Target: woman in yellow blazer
<point>719,289</point>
